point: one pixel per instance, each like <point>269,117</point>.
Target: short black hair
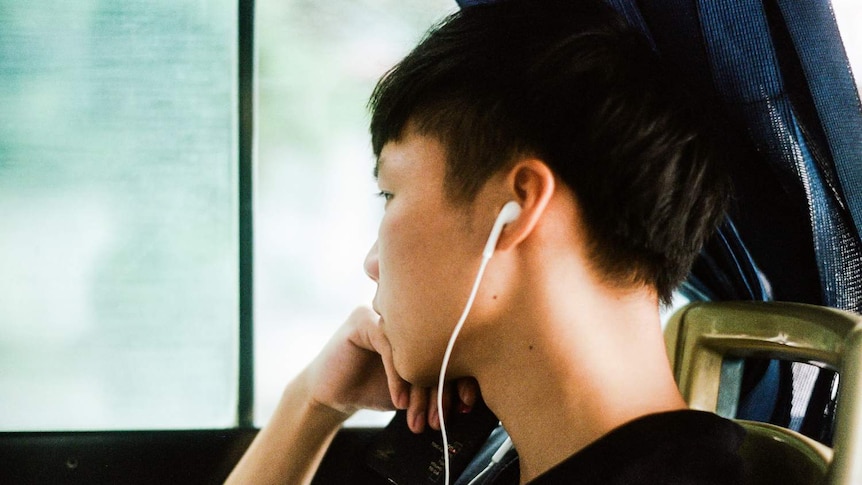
<point>571,83</point>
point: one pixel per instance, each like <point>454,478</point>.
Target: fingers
<point>369,336</point>
<point>420,403</point>
<point>468,393</point>
<point>399,389</point>
<point>461,396</point>
<point>433,415</point>
<point>418,409</point>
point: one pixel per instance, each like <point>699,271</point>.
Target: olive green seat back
<point>779,456</point>
<point>699,338</point>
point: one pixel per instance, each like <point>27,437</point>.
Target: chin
<point>417,373</point>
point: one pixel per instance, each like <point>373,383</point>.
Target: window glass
<point>316,214</point>
<point>848,14</point>
<point>118,214</point>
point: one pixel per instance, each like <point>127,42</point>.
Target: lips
<point>374,305</point>
<point>377,311</point>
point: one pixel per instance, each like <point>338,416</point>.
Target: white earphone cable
<point>496,458</point>
<point>445,364</point>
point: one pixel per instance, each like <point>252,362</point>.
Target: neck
<point>586,362</point>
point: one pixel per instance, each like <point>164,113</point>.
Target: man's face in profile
<point>425,257</point>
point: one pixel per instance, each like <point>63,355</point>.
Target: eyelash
<point>387,196</point>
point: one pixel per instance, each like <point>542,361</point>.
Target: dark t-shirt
<point>674,448</point>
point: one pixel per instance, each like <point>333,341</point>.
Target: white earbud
<point>508,213</point>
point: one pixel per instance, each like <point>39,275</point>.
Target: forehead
<point>412,153</point>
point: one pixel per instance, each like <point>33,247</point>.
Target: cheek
<point>406,246</point>
<point>416,264</point>
<point>427,267</point>
<point>418,259</point>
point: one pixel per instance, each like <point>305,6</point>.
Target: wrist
<point>300,393</point>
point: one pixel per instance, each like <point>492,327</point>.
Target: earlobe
<point>532,184</point>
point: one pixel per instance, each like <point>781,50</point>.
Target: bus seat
<point>704,340</point>
<point>781,456</point>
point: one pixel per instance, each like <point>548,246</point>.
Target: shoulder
<point>679,447</point>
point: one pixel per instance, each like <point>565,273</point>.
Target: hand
<point>355,371</point>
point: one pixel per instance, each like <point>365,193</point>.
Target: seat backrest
<point>703,336</point>
<point>780,456</point>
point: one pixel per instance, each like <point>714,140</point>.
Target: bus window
<point>118,203</point>
<point>317,214</point>
<point>119,291</point>
<point>848,15</point>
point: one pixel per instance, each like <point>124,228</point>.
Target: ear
<point>532,183</point>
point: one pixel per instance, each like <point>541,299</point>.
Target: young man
<point>561,107</point>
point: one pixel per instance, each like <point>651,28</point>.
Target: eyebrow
<point>377,165</point>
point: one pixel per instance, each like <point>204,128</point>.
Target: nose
<point>372,263</point>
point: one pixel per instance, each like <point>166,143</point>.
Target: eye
<point>386,196</point>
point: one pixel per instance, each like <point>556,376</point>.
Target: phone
<point>406,458</point>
